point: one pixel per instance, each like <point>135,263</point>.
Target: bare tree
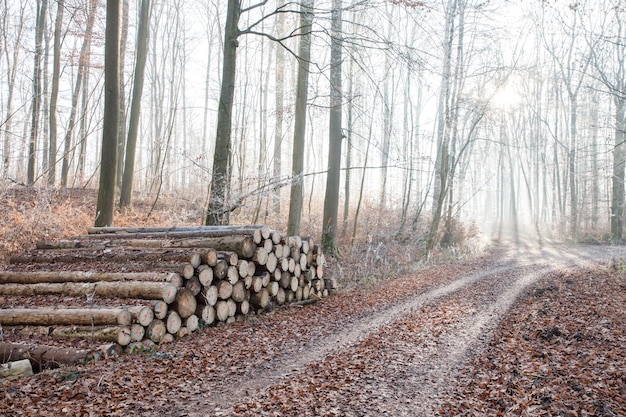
<point>12,59</point>
<point>135,110</point>
<point>79,83</point>
<point>280,110</point>
<point>218,209</point>
<point>608,50</point>
<point>110,126</point>
<point>331,198</point>
<point>297,165</point>
<point>572,66</point>
<point>56,76</point>
<point>42,6</point>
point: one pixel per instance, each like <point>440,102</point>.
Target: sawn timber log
<point>64,316</point>
<point>130,289</point>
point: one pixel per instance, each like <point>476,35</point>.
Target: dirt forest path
<point>402,358</point>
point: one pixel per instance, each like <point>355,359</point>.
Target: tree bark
<point>83,69</point>
<point>110,125</point>
<point>219,202</point>
<point>40,26</point>
<point>54,94</point>
<point>279,107</point>
<point>302,88</point>
<point>331,198</point>
<point>619,164</point>
<point>35,277</point>
<point>64,316</point>
<point>44,356</point>
<point>130,289</point>
<point>15,370</point>
<point>135,109</point>
<point>116,334</point>
<point>107,255</point>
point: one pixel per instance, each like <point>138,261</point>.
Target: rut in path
<point>434,363</point>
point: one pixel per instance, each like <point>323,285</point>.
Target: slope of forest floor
<point>560,352</point>
<point>520,331</point>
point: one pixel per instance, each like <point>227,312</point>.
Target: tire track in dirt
<point>434,363</point>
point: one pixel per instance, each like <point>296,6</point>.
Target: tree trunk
<point>83,69</point>
<point>54,94</point>
<point>110,125</point>
<point>219,205</point>
<point>280,93</point>
<point>331,198</point>
<point>131,289</point>
<point>35,277</point>
<point>224,289</point>
<point>444,95</point>
<point>210,295</point>
<point>159,307</point>
<point>121,135</point>
<point>115,334</point>
<point>135,109</point>
<point>40,27</point>
<point>350,130</point>
<point>619,162</point>
<point>257,232</point>
<point>64,316</point>
<point>82,153</point>
<point>12,60</point>
<point>302,88</point>
<point>102,254</point>
<point>15,370</point>
<point>173,322</point>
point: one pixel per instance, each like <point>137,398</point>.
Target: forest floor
<point>523,330</point>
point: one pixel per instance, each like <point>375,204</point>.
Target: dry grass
<point>382,246</point>
<point>36,214</point>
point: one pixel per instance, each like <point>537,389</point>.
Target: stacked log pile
<point>145,286</point>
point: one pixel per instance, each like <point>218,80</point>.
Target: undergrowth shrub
<point>39,213</point>
<point>381,246</point>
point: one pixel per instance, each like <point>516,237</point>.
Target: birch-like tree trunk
<point>219,207</point>
<point>110,124</point>
<point>331,198</point>
<point>135,109</point>
<point>304,58</point>
<point>42,6</point>
<point>12,59</point>
<point>280,111</point>
<point>80,82</point>
<point>54,94</point>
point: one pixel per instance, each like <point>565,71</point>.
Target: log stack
<point>145,286</point>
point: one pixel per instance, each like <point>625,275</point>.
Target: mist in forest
<point>419,116</point>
